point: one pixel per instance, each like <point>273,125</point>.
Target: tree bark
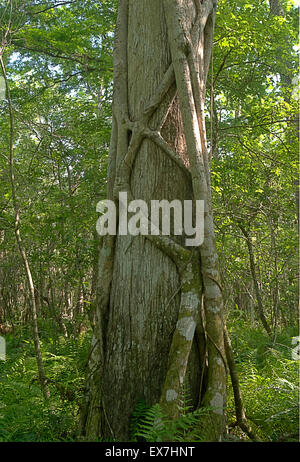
<point>260,307</point>
<point>153,292</point>
<point>276,8</point>
<point>241,419</point>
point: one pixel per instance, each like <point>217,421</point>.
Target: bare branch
<point>56,5</point>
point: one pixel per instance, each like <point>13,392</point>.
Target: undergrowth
<point>268,374</point>
<point>150,424</point>
<point>24,416</point>
<point>269,379</point>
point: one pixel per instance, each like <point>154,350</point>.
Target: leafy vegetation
<point>24,416</point>
<point>58,60</point>
<point>268,375</point>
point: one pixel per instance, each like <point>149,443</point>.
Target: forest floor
<point>268,374</point>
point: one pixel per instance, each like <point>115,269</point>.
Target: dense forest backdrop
<point>55,118</point>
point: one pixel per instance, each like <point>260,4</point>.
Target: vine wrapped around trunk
<point>159,303</point>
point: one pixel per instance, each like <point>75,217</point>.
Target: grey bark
<point>260,306</point>
<point>276,8</point>
<point>149,294</point>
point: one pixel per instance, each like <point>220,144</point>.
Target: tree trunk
<point>276,8</point>
<point>159,303</point>
<point>260,306</point>
<point>34,316</point>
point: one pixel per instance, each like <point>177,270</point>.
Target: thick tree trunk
<point>159,304</point>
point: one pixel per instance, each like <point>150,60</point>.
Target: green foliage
<point>59,65</point>
<point>267,372</point>
<point>269,379</point>
<point>150,424</point>
<point>24,416</point>
<point>137,417</point>
<point>255,146</point>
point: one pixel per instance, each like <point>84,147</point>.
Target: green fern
<point>137,417</point>
<point>152,425</point>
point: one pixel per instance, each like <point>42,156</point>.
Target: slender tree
<point>17,211</point>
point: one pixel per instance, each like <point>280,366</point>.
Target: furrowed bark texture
<point>159,303</point>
